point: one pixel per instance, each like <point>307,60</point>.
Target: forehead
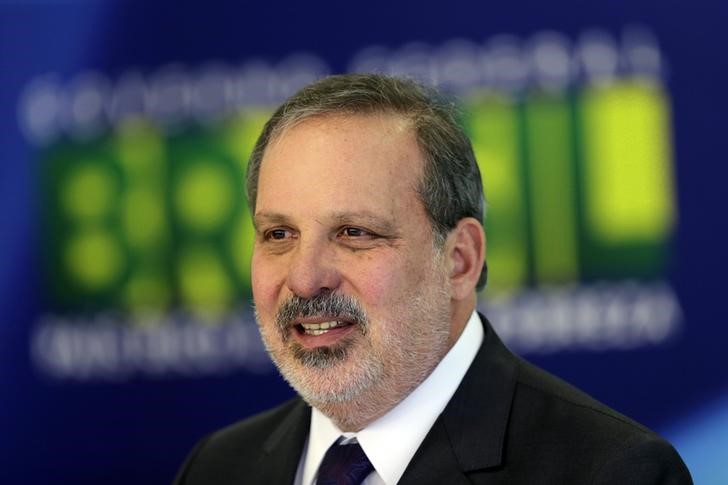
<point>342,159</point>
<point>360,132</point>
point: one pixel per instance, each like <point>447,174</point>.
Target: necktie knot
<point>344,465</point>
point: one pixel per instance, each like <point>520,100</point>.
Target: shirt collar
<point>391,441</point>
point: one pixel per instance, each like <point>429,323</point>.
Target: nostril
<point>312,268</point>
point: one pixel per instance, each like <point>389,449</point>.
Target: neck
<point>356,414</point>
<point>460,315</point>
<point>396,384</point>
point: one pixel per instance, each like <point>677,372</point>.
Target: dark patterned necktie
<point>344,465</point>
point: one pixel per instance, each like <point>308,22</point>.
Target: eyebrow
<point>344,217</point>
<point>269,217</point>
<point>369,218</point>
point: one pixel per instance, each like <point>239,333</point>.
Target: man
<point>367,204</point>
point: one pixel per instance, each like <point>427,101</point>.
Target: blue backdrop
<point>126,332</point>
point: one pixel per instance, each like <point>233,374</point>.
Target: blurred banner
<point>126,127</point>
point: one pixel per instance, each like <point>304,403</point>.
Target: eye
<point>276,234</point>
<point>355,232</point>
<point>356,238</point>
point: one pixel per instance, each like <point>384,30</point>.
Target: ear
<point>465,253</point>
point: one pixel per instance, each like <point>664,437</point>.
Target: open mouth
<point>320,328</point>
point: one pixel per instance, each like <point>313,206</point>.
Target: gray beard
<point>321,357</point>
<point>326,304</point>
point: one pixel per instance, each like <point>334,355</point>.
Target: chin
<point>339,383</point>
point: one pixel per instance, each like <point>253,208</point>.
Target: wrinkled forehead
<point>353,137</point>
<point>388,121</point>
<point>374,154</point>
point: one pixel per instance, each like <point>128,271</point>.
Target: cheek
<point>264,283</point>
<point>381,282</point>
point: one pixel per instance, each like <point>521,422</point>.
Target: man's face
<point>351,293</point>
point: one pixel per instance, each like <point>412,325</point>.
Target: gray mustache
<point>325,304</point>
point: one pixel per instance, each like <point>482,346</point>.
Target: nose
<point>313,269</point>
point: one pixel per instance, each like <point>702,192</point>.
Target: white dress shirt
<point>391,441</point>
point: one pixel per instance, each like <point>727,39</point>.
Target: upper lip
<point>320,319</point>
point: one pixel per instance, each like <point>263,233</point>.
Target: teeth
<point>320,328</point>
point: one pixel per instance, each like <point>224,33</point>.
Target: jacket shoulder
<point>230,453</point>
<point>254,430</point>
<point>540,387</point>
<point>579,437</point>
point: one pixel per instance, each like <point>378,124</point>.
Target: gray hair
<point>451,188</point>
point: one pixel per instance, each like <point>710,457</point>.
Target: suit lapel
<point>469,435</point>
<point>281,452</point>
<point>434,461</point>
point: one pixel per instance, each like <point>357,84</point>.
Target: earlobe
<point>466,251</point>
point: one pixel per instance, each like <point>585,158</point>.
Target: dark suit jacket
<point>508,423</point>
